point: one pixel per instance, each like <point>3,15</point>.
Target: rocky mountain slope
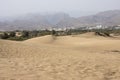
<point>60,20</point>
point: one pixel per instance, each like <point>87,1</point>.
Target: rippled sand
<point>78,57</point>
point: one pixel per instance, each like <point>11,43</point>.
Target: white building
<point>99,26</point>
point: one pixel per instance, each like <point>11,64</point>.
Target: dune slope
<point>78,57</point>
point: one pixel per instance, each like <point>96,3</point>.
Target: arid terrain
<point>75,57</point>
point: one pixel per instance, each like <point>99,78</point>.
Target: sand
<point>76,57</point>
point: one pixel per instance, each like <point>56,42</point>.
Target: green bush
<point>4,35</point>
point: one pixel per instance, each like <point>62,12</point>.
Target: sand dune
<point>78,57</point>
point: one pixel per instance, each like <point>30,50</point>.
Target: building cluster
<point>100,27</point>
<point>17,34</point>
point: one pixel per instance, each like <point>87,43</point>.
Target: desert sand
<point>76,57</point>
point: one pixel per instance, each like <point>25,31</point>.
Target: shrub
<point>4,36</point>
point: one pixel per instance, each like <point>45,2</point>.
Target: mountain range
<point>59,20</point>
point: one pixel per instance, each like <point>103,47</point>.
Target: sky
<point>72,7</point>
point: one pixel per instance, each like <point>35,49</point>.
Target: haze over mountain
<point>74,7</point>
<point>59,20</point>
<point>111,17</point>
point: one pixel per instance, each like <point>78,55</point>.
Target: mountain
<point>60,20</point>
<point>34,21</point>
<point>107,18</point>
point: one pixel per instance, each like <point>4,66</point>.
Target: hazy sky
<point>73,7</point>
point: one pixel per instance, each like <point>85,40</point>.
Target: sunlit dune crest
<point>76,57</point>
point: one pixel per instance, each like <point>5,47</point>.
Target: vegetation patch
<point>24,35</point>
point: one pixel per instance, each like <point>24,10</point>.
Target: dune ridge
<point>76,57</point>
